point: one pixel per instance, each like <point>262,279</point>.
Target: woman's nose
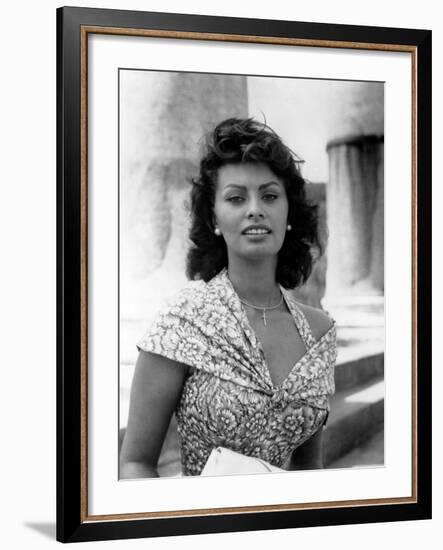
<point>254,210</point>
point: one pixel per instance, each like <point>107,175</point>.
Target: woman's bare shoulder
<point>318,320</point>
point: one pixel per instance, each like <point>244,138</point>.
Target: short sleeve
<point>320,370</point>
<point>333,357</point>
<point>330,363</point>
<point>330,357</point>
<point>176,334</point>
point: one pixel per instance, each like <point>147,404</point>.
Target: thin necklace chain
<point>263,309</point>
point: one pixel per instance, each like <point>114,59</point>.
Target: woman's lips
<point>256,230</point>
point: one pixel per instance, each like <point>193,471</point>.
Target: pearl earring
<point>288,227</point>
<point>217,232</point>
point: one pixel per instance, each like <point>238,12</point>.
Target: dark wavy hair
<point>239,141</point>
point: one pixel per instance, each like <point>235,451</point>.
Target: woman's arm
<point>309,455</point>
<point>156,389</point>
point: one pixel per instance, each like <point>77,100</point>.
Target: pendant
<point>263,316</point>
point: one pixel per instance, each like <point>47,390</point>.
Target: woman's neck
<point>255,282</point>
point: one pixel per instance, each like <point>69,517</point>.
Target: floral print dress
<point>228,397</point>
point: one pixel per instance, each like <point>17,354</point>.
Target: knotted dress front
<point>228,397</point>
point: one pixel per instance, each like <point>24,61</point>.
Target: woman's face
<point>251,210</point>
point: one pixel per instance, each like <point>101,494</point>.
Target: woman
<point>239,361</point>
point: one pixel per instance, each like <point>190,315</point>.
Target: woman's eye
<point>235,199</point>
<point>270,196</point>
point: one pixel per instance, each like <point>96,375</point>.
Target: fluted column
<point>355,201</point>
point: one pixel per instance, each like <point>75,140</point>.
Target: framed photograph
<point>244,274</point>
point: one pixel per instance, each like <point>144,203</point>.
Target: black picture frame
<point>73,24</point>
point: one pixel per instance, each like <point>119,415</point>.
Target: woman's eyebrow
<point>234,185</point>
<point>262,186</point>
<point>268,184</point>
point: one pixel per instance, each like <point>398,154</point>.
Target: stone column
<point>163,116</point>
<point>355,201</point>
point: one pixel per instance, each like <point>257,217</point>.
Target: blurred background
<point>337,128</point>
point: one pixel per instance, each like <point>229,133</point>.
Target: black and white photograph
<point>251,274</point>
